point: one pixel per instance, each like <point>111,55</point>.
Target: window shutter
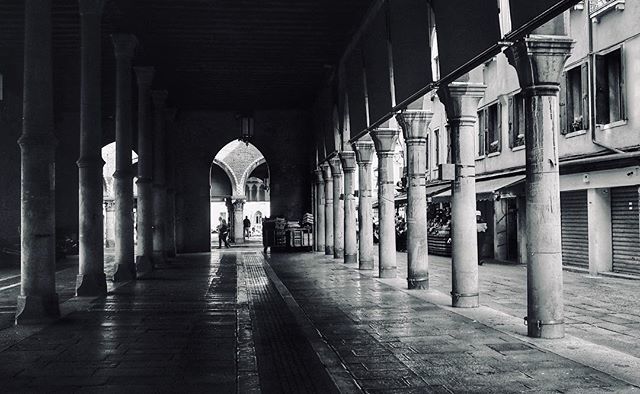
<point>584,79</point>
<point>498,131</point>
<point>602,91</point>
<point>512,129</point>
<point>562,99</point>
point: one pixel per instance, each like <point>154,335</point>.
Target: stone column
<point>539,61</point>
<point>124,45</point>
<point>461,104</point>
<point>170,142</point>
<point>364,151</point>
<point>348,159</point>
<point>159,178</point>
<point>338,208</point>
<point>385,143</point>
<point>238,217</point>
<point>414,125</point>
<point>144,252</point>
<point>328,209</point>
<point>38,301</point>
<point>109,219</point>
<point>91,280</point>
<point>320,220</point>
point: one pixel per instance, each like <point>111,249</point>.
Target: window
<point>489,130</point>
<point>609,80</point>
<point>574,99</point>
<point>436,135</point>
<point>516,120</point>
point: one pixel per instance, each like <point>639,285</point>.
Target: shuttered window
<point>575,231</point>
<point>625,230</point>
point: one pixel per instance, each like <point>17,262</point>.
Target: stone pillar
<point>144,252</point>
<point>364,151</point>
<point>238,217</point>
<point>385,143</point>
<point>539,61</point>
<point>38,301</point>
<point>124,45</point>
<point>110,223</point>
<point>328,209</point>
<point>414,125</point>
<point>320,219</point>
<point>338,208</point>
<point>91,280</point>
<point>348,159</point>
<point>159,181</point>
<point>461,104</point>
<point>170,243</point>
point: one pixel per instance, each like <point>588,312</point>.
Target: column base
<point>350,258</point>
<point>144,266</point>
<point>37,310</point>
<point>418,284</point>
<point>551,330</point>
<point>387,273</point>
<point>124,273</point>
<point>465,300</point>
<point>91,285</point>
<point>365,265</point>
<point>328,250</point>
<point>338,253</point>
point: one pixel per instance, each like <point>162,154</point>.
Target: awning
<point>401,198</point>
<point>486,189</point>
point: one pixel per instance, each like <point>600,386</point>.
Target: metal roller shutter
<point>625,230</point>
<point>575,231</point>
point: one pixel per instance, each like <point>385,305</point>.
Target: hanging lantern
<point>246,129</point>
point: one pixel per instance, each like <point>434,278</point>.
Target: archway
<point>239,182</point>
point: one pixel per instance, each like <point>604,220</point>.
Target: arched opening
<point>239,180</point>
<point>108,196</point>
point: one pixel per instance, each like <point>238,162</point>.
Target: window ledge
<point>478,158</point>
<point>575,133</point>
<point>517,148</point>
<point>494,154</point>
<point>604,9</point>
<point>612,125</point>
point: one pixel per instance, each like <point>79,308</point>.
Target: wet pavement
<point>233,321</point>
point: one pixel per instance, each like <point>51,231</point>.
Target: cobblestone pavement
<point>390,341</point>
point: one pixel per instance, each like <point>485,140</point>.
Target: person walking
<point>246,223</point>
<point>223,232</point>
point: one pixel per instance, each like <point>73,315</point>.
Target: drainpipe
<point>591,59</point>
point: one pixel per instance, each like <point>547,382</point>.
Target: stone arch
<point>256,163</point>
<point>236,186</point>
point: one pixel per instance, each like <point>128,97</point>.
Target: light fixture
<point>246,128</point>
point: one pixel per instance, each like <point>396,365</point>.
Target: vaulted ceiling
<point>213,54</point>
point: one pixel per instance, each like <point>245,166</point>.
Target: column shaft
<point>144,252</point>
<point>364,151</point>
<point>328,209</point>
<point>414,125</point>
<point>385,141</point>
<point>171,184</point>
<point>91,280</point>
<point>539,61</point>
<point>338,208</point>
<point>461,103</point>
<point>38,301</point>
<point>123,177</point>
<point>159,181</point>
<point>238,226</point>
<point>320,218</point>
<point>348,159</point>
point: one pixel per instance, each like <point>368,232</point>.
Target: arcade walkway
<point>231,321</point>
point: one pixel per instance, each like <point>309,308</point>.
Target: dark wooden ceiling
<point>214,54</point>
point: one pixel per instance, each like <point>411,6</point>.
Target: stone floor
<point>233,321</point>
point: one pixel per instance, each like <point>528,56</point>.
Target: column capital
<point>336,167</point>
<point>461,99</point>
<point>364,150</point>
<point>539,62</point>
<point>238,204</point>
<point>414,124</point>
<point>348,159</point>
<point>159,98</point>
<point>90,7</point>
<point>326,171</point>
<point>384,140</point>
<point>319,178</point>
<point>124,45</point>
<point>144,75</point>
